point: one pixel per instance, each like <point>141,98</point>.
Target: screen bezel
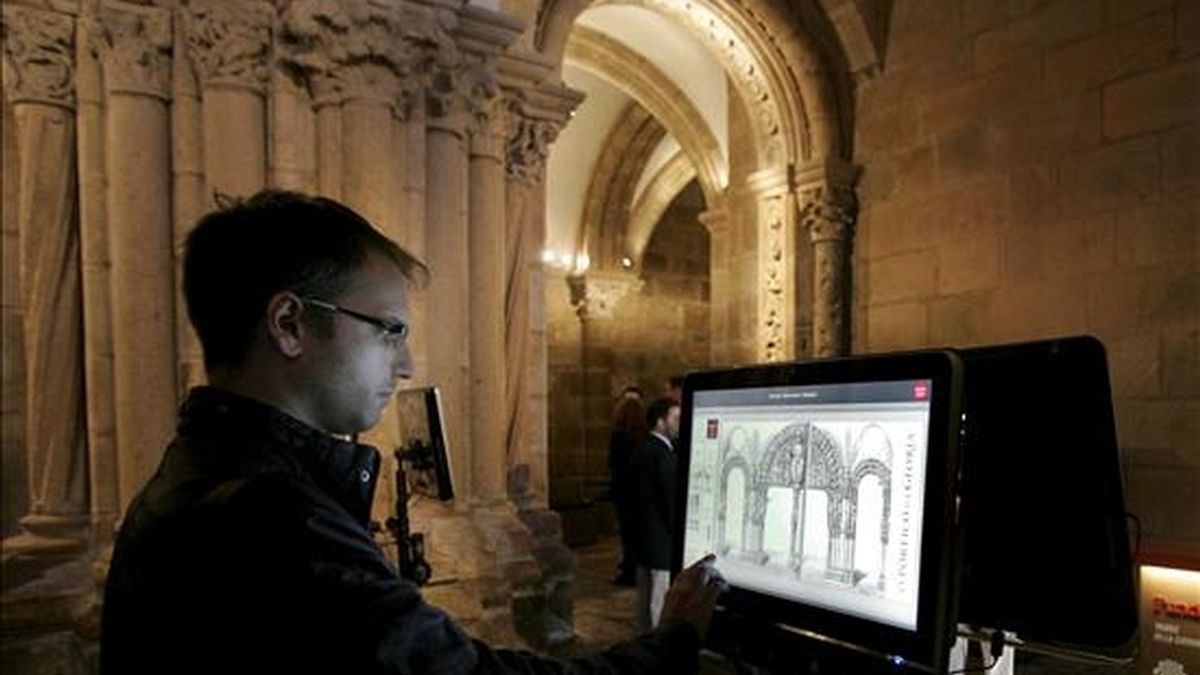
<point>1002,586</point>
<point>927,646</point>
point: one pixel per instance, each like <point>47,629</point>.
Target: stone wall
<point>658,328</point>
<point>1030,169</point>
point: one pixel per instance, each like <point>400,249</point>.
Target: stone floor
<point>604,615</point>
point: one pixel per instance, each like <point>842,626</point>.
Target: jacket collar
<point>348,471</point>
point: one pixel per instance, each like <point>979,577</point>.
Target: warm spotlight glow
<point>547,256</point>
<point>582,262</point>
<point>626,262</point>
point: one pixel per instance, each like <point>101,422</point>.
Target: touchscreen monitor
<point>824,489</point>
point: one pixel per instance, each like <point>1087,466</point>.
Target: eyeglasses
<point>394,332</point>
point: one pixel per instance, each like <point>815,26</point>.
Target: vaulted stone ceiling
<point>620,55</point>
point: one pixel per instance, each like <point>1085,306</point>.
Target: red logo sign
<point>921,391</point>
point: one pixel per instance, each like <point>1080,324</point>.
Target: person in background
<point>628,432</point>
<point>675,389</point>
<point>652,470</point>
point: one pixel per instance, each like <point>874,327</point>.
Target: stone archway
<point>796,202</point>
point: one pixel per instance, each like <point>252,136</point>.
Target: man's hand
<point>693,595</point>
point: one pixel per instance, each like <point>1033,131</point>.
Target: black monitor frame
<point>811,628</point>
<point>1046,552</point>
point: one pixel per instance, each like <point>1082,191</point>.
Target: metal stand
<point>410,546</point>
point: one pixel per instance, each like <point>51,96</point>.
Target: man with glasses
<point>249,551</point>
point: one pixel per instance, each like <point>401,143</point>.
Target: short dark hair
<point>247,250</point>
<point>676,381</point>
<point>658,410</point>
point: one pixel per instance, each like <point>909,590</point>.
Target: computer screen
<point>823,491</point>
<point>423,451</point>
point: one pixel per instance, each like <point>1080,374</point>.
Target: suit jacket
<point>652,478</point>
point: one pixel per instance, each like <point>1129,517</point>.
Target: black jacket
<point>249,551</point>
<point>652,473</point>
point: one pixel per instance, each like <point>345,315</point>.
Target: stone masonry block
<point>1166,500</point>
<point>1112,177</point>
<point>971,264</point>
<point>1156,100</point>
<point>1038,310</point>
<point>1054,24</point>
<point>1122,11</point>
<point>899,326</point>
<point>981,15</point>
<point>1044,131</point>
<point>1181,362</point>
<point>1187,28</point>
<point>1122,51</point>
<point>986,96</point>
<point>962,320</point>
<point>1181,159</point>
<point>1078,246</point>
<point>1166,232</point>
<point>1163,424</point>
<point>1135,364</point>
<point>901,277</point>
<point>1035,193</point>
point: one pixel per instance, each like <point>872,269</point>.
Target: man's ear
<point>285,330</point>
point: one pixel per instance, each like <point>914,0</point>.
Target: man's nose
<point>402,362</point>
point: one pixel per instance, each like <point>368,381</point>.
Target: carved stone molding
<point>741,63</point>
<point>134,44</point>
<point>773,322</point>
<point>229,42</point>
<point>595,295</point>
<point>39,56</point>
<point>354,49</point>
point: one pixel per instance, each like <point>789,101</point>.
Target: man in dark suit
<point>652,472</point>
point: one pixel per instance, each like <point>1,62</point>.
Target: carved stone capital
<point>828,213</point>
<point>39,56</point>
<point>595,295</point>
<point>229,42</point>
<point>356,49</point>
<point>529,142</point>
<point>134,44</point>
<point>482,86</point>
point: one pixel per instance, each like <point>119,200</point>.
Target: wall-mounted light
<point>626,262</point>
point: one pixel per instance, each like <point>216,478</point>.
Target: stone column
<point>487,262</point>
<point>39,74</point>
<point>135,42</point>
<point>446,241</point>
<point>97,284</point>
<point>720,274</point>
<point>228,42</point>
<point>189,203</point>
<point>595,296</point>
<point>528,146</point>
<point>223,48</point>
<point>828,211</point>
